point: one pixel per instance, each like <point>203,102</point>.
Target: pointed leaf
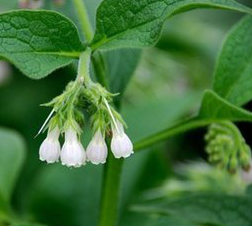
<point>38,42</point>
<point>233,80</point>
<point>127,23</point>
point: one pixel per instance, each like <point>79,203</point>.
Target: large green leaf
<point>127,23</point>
<point>233,80</point>
<point>119,64</point>
<point>12,152</point>
<point>38,42</point>
<point>213,109</point>
<point>211,209</point>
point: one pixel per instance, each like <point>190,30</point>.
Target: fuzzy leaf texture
<point>206,209</point>
<point>38,42</point>
<point>138,23</point>
<point>233,80</point>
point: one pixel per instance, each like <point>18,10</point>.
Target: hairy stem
<point>113,167</point>
<point>84,19</point>
<point>180,128</point>
<point>84,67</point>
<point>111,181</point>
<point>110,194</point>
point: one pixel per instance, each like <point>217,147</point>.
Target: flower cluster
<point>83,95</point>
<point>73,153</point>
<point>227,148</point>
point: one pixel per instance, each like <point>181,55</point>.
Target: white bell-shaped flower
<point>50,148</point>
<point>121,145</point>
<point>97,150</point>
<point>73,153</point>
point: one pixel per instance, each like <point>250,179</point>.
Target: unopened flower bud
<point>233,164</point>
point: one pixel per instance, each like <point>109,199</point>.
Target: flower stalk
<point>67,119</point>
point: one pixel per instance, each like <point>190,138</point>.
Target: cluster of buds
<point>227,148</point>
<point>68,109</point>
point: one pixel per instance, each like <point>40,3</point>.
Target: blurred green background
<point>166,86</point>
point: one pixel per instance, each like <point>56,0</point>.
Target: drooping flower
<point>50,148</point>
<point>97,150</point>
<point>73,153</point>
<point>121,145</point>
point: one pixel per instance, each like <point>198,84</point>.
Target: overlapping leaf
<point>38,42</point>
<point>233,78</point>
<point>138,23</point>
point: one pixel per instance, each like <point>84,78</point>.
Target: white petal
<point>50,148</point>
<point>49,151</point>
<point>54,134</point>
<point>71,135</point>
<point>73,153</point>
<point>97,150</point>
<point>121,146</point>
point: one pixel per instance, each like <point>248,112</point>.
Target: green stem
<point>111,184</point>
<point>113,167</point>
<point>84,19</point>
<point>84,67</point>
<point>110,194</point>
<point>180,128</point>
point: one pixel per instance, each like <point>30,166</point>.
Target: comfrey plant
<point>68,119</point>
<point>39,42</point>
